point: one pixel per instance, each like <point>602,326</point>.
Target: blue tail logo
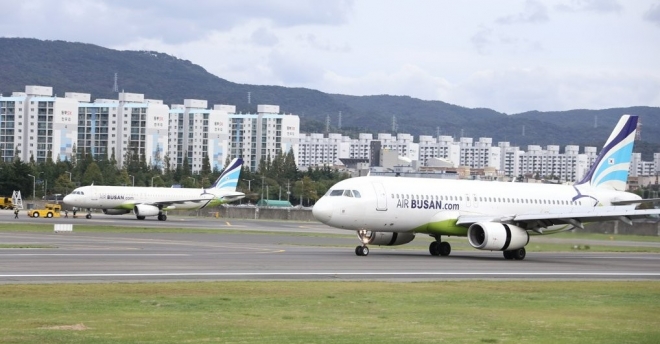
<point>228,180</point>
<point>611,167</point>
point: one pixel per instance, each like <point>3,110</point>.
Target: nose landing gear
<point>362,251</point>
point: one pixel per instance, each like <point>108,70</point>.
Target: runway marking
<point>96,254</point>
<point>277,274</point>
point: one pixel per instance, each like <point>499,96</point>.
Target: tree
<point>92,175</point>
<point>63,185</point>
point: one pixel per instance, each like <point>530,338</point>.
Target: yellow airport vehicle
<point>51,210</point>
<point>6,203</point>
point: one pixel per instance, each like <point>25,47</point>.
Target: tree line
<point>277,178</point>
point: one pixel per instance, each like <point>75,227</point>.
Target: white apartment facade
<point>197,132</point>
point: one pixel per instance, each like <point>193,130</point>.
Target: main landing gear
<point>439,248</point>
<point>518,254</point>
<point>162,217</point>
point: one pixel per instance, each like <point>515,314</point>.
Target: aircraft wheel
<point>88,216</point>
<point>444,248</point>
<point>433,249</point>
<point>508,255</point>
<point>35,214</point>
<point>164,217</point>
<point>519,254</point>
<point>49,215</point>
<point>361,251</point>
<point>141,217</point>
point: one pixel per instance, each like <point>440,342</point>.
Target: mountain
<point>87,68</point>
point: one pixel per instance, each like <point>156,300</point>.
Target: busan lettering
<point>115,197</point>
<point>426,204</point>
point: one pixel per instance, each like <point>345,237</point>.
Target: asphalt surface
<point>262,250</point>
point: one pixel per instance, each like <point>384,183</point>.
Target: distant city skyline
<point>511,56</point>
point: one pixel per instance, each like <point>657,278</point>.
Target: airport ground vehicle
<point>50,210</point>
<point>6,203</point>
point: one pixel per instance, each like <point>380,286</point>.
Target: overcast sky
<point>507,55</point>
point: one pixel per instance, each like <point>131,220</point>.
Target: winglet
<point>228,180</point>
<point>610,170</point>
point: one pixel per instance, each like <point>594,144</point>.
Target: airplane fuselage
<point>122,197</point>
<point>432,206</point>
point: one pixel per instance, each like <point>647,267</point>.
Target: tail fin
<point>611,167</point>
<point>228,180</point>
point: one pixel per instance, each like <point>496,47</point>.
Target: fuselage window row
<point>484,199</point>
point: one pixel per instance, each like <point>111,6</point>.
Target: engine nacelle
<point>387,238</point>
<point>115,211</point>
<point>497,236</point>
<point>145,210</point>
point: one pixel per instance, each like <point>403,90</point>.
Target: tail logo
<point>610,170</point>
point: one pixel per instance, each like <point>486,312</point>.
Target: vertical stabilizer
<point>228,180</point>
<point>611,167</point>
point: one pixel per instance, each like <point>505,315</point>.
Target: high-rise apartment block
<point>38,125</point>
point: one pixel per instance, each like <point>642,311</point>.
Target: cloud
<point>264,37</point>
<point>534,12</point>
<point>600,6</point>
<point>171,21</point>
<point>312,41</point>
<point>517,90</point>
<point>653,15</point>
<point>482,40</point>
<point>408,79</point>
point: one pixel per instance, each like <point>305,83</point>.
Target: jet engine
<point>115,211</point>
<point>497,236</point>
<point>145,210</point>
<point>385,238</point>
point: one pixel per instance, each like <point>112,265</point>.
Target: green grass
<point>332,312</point>
<point>26,246</point>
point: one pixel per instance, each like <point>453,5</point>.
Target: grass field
<point>332,312</point>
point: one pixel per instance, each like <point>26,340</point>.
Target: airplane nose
<point>322,210</point>
<point>67,199</point>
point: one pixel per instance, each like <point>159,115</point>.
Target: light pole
<point>249,184</point>
<point>262,188</point>
<point>34,179</point>
<point>66,189</point>
<point>132,179</point>
<point>194,181</point>
<point>302,191</point>
<point>152,181</point>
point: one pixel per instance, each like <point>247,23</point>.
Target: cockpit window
<point>345,193</point>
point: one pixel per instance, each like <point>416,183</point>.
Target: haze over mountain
<point>87,68</point>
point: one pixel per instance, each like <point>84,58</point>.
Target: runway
<point>260,250</point>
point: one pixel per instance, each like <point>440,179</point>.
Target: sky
<point>508,55</point>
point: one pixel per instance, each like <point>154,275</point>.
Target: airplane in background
<point>150,201</point>
<point>494,216</point>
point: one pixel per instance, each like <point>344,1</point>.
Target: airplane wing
<point>167,203</point>
<point>636,201</point>
<point>542,220</point>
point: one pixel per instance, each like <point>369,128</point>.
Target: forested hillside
<point>87,68</point>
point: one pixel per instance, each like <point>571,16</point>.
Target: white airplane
<point>150,201</point>
<point>495,216</point>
